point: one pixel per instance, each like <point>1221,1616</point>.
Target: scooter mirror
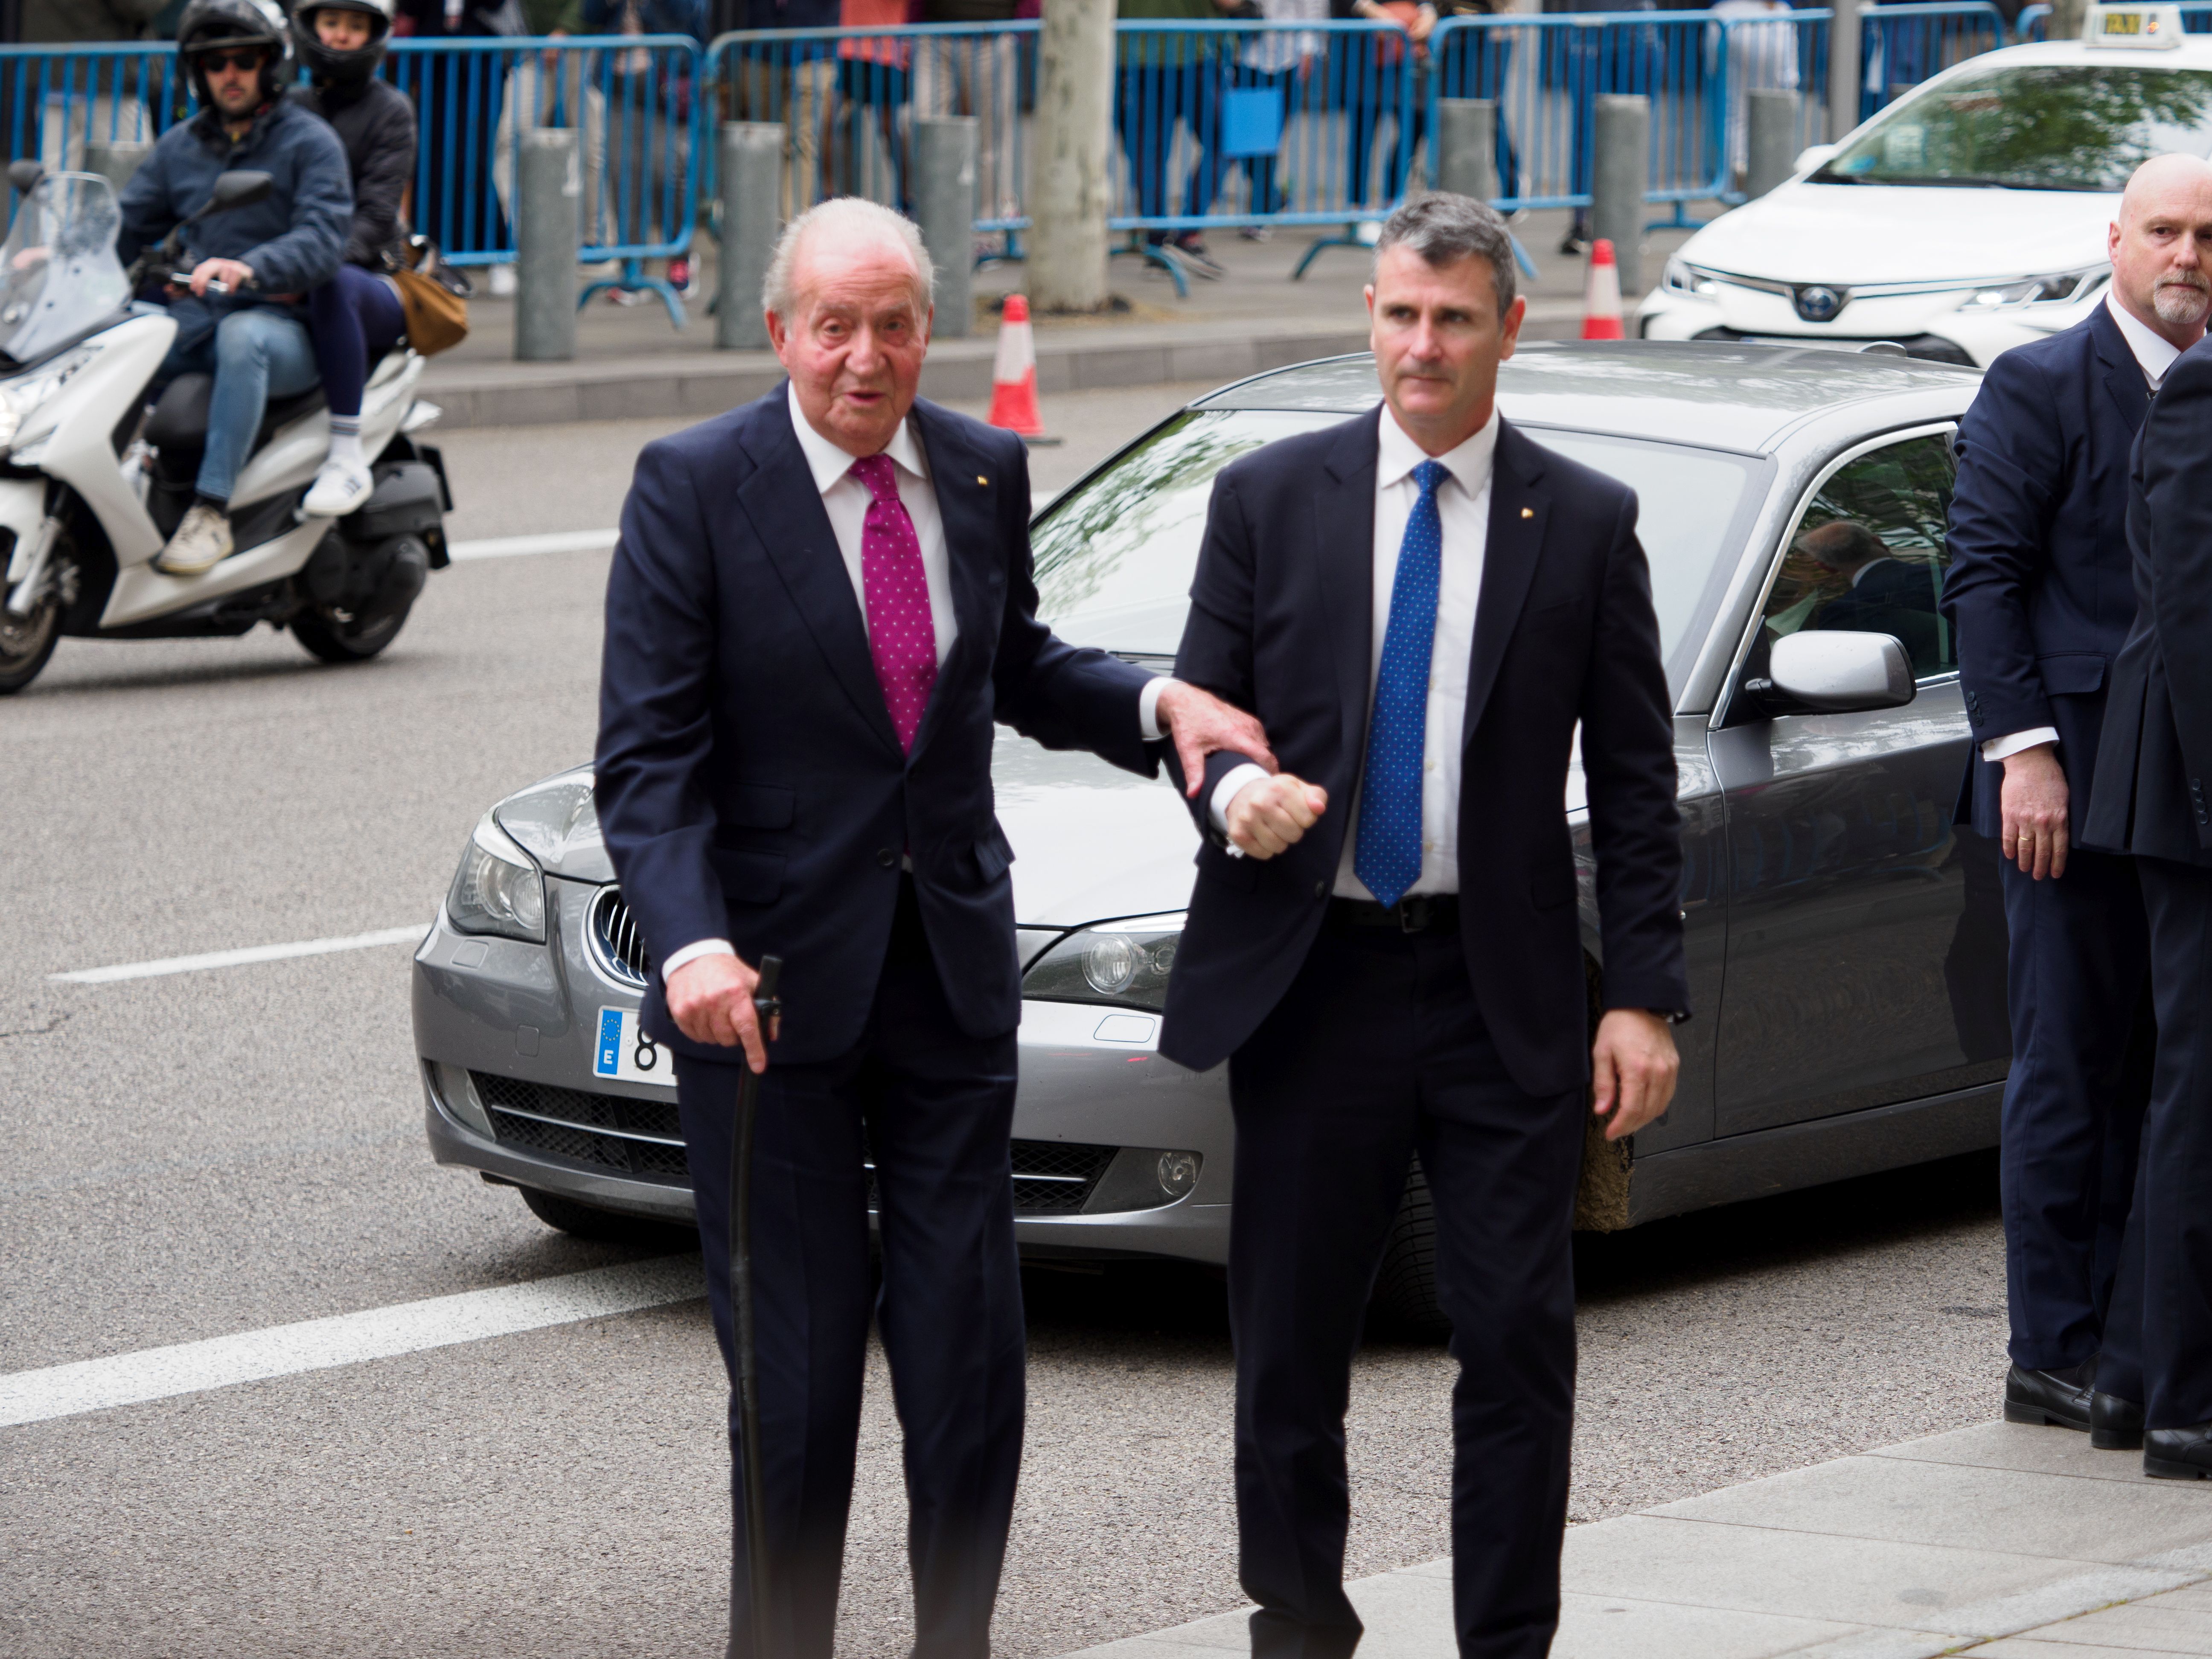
<point>24,176</point>
<point>238,190</point>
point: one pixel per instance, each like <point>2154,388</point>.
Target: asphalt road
<point>220,1152</point>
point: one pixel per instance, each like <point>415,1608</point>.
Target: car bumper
<point>1928,326</point>
<point>505,1034</point>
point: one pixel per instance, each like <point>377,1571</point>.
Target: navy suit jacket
<point>1282,623</point>
<point>2157,741</point>
<point>749,782</point>
<point>2039,588</point>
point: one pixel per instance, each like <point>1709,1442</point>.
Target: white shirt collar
<point>1470,463</point>
<point>829,464</point>
<point>2153,350</point>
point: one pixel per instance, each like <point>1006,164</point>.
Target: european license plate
<point>626,1053</point>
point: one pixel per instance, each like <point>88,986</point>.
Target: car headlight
<point>2061,287</point>
<point>1682,278</point>
<point>1121,965</point>
<point>19,397</point>
<point>497,890</point>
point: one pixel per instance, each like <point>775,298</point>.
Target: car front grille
<point>644,1139</point>
<point>616,945</point>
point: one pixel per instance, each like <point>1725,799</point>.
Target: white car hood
<point>1847,235</point>
<point>1091,841</point>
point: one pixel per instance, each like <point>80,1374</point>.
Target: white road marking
<point>555,541</point>
<point>129,1379</point>
<point>252,953</point>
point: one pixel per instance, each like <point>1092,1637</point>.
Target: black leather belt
<point>1417,913</point>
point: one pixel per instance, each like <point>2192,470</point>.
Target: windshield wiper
<point>1957,180</point>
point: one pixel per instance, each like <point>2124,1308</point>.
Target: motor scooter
<point>93,484</point>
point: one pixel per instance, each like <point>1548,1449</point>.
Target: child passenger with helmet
<point>356,317</point>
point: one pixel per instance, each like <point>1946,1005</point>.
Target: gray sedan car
<point>1846,947</point>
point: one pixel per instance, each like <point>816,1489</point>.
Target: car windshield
<point>2032,126</point>
<point>1114,556</point>
<point>59,276</point>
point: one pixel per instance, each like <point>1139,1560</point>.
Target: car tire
<point>1405,1300</point>
<point>606,1226</point>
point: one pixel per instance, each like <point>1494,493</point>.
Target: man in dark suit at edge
<point>820,605</point>
<point>2039,592</point>
<point>1421,604</point>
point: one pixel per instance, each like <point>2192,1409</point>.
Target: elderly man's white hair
<point>850,219</point>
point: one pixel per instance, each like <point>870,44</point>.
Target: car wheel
<point>606,1226</point>
<point>1405,1301</point>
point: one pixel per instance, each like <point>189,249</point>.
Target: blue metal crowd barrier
<point>2033,24</point>
<point>1901,46</point>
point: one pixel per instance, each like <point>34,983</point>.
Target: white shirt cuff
<point>1225,791</point>
<point>1997,748</point>
<point>1148,705</point>
<point>693,951</point>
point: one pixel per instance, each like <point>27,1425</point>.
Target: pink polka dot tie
<point>901,633</point>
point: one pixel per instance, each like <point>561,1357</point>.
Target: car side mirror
<point>1839,673</point>
<point>23,176</point>
<point>238,190</point>
<point>1810,159</point>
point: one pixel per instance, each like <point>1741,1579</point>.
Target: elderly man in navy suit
<point>1423,604</point>
<point>820,606</point>
<point>2038,591</point>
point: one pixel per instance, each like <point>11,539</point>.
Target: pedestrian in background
<point>1162,77</point>
<point>2152,797</point>
<point>648,96</point>
<point>873,83</point>
<point>457,101</point>
<point>1280,61</point>
<point>790,83</point>
<point>975,75</point>
<point>1383,74</point>
<point>2039,595</point>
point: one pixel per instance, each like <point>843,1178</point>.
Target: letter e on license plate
<point>625,1053</point>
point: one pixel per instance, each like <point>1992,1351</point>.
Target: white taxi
<point>1967,218</point>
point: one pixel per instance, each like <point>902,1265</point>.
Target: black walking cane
<point>741,1293</point>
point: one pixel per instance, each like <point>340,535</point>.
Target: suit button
<point>885,857</point>
<point>1321,890</point>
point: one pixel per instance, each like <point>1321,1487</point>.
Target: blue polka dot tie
<point>1388,859</point>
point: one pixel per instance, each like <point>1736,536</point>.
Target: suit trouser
<point>2078,964</point>
<point>2158,1343</point>
<point>936,1108</point>
<point>1376,1052</point>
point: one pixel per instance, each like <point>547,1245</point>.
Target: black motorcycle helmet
<point>346,68</point>
<point>214,24</point>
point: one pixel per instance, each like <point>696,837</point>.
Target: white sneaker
<point>202,542</point>
<point>340,487</point>
<point>503,282</point>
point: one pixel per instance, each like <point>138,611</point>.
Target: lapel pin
<point>980,479</point>
<point>1528,511</point>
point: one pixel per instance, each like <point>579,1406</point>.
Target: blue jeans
<point>254,353</point>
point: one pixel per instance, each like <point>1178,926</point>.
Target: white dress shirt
<point>846,499</point>
<point>2154,355</point>
<point>1463,506</point>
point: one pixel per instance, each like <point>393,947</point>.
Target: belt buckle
<point>1413,913</point>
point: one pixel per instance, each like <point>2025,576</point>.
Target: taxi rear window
<point>2047,126</point>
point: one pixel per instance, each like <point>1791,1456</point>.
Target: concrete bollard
<point>1466,147</point>
<point>751,183</point>
<point>549,229</point>
<point>944,149</point>
<point>1620,175</point>
<point>1844,77</point>
<point>115,163</point>
<point>1770,145</point>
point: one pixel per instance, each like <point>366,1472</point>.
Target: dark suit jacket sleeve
<point>1060,694</point>
<point>1628,768</point>
<point>2010,455</point>
<point>1216,653</point>
<point>655,698</point>
<point>2176,466</point>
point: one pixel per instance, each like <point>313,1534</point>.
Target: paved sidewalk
<point>2001,1541</point>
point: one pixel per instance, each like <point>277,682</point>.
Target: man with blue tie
<point>820,606</point>
<point>1422,605</point>
<point>2040,592</point>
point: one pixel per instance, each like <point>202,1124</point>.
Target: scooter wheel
<point>25,642</point>
<point>337,638</point>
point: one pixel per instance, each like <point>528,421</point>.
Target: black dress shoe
<point>2179,1453</point>
<point>2115,1425</point>
<point>2057,1400</point>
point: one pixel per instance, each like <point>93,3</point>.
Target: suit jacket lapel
<point>1344,546</point>
<point>1515,539</point>
<point>966,510</point>
<point>778,496</point>
<point>2124,376</point>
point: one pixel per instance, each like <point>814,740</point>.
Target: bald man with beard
<point>2040,595</point>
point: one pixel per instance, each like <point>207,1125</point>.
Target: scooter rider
<point>238,53</point>
<point>356,317</point>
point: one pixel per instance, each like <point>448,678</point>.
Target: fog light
<point>458,1090</point>
<point>1178,1173</point>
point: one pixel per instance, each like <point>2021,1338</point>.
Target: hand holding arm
<point>1202,724</point>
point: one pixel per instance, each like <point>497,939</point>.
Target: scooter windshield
<point>59,278</point>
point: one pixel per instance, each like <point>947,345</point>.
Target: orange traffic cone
<point>1013,376</point>
<point>1602,296</point>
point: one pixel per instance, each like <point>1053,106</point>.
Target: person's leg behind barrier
<point>813,92</point>
<point>998,101</point>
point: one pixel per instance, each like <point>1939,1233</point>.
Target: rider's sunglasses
<point>214,62</point>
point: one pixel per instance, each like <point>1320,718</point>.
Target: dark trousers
<point>1148,99</point>
<point>353,318</point>
<point>1375,1053</point>
<point>2079,961</point>
<point>2158,1342</point>
<point>936,1108</point>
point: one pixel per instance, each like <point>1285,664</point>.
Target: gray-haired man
<point>1420,605</point>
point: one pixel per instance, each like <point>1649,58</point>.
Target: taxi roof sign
<point>2153,29</point>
